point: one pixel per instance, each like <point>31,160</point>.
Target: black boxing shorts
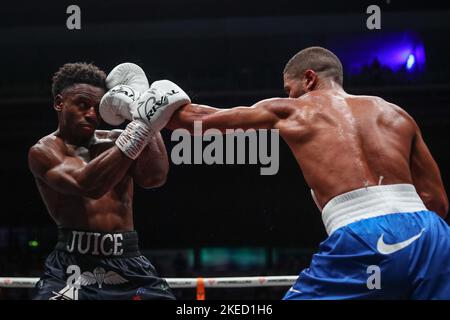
<point>87,265</point>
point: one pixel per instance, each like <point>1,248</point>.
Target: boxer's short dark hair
<point>319,59</point>
<point>74,73</point>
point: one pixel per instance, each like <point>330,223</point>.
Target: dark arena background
<point>211,220</point>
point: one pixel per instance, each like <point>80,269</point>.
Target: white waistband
<point>370,202</point>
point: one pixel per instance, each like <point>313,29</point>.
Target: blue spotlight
<point>395,50</point>
<point>410,62</point>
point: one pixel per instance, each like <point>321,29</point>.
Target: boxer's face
<point>293,86</point>
<point>78,110</point>
<point>296,87</point>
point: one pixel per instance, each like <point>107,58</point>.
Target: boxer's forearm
<point>259,116</point>
<point>151,167</point>
<point>186,116</point>
<point>69,175</point>
<point>102,173</point>
<point>107,169</point>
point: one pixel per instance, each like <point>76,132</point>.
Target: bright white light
<point>410,62</point>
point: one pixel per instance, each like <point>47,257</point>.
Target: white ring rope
<point>226,282</point>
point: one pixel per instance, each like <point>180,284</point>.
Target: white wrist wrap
<point>134,139</point>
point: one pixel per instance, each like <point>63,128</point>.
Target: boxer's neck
<point>75,141</point>
<point>328,84</point>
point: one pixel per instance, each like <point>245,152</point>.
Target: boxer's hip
<point>383,243</point>
<point>370,202</point>
<point>96,265</point>
<point>388,227</point>
<point>99,244</point>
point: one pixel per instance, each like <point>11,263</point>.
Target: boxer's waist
<point>370,202</point>
<point>99,244</point>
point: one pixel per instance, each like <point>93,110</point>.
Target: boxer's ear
<point>310,80</point>
<point>58,102</point>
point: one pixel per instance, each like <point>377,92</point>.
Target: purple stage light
<point>395,50</point>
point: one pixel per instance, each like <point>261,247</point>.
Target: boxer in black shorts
<point>93,265</point>
<point>85,177</point>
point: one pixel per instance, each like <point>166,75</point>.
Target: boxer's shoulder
<point>49,142</point>
<point>390,112</point>
<point>45,153</point>
<point>282,107</point>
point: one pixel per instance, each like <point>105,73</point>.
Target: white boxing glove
<point>150,112</point>
<point>129,74</point>
<point>156,105</point>
<point>115,105</point>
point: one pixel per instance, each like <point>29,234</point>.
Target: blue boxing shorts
<point>94,265</point>
<point>383,244</point>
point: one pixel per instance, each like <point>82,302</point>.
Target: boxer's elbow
<point>438,205</point>
<point>88,190</point>
<point>442,205</point>
<point>95,193</point>
<point>158,181</point>
<point>443,211</point>
<point>154,181</point>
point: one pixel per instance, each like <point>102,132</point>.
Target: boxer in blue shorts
<point>86,177</point>
<point>371,174</point>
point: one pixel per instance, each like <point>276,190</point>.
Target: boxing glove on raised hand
<point>116,105</point>
<point>150,113</point>
<point>156,105</point>
<point>129,74</point>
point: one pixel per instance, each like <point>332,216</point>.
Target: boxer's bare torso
<point>344,142</point>
<point>85,181</point>
<point>341,142</point>
<point>112,211</point>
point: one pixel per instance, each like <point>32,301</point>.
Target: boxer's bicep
<point>427,177</point>
<point>60,179</point>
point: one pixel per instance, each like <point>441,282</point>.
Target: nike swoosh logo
<point>385,248</point>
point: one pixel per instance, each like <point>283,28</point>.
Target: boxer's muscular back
<point>111,212</point>
<point>344,142</point>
